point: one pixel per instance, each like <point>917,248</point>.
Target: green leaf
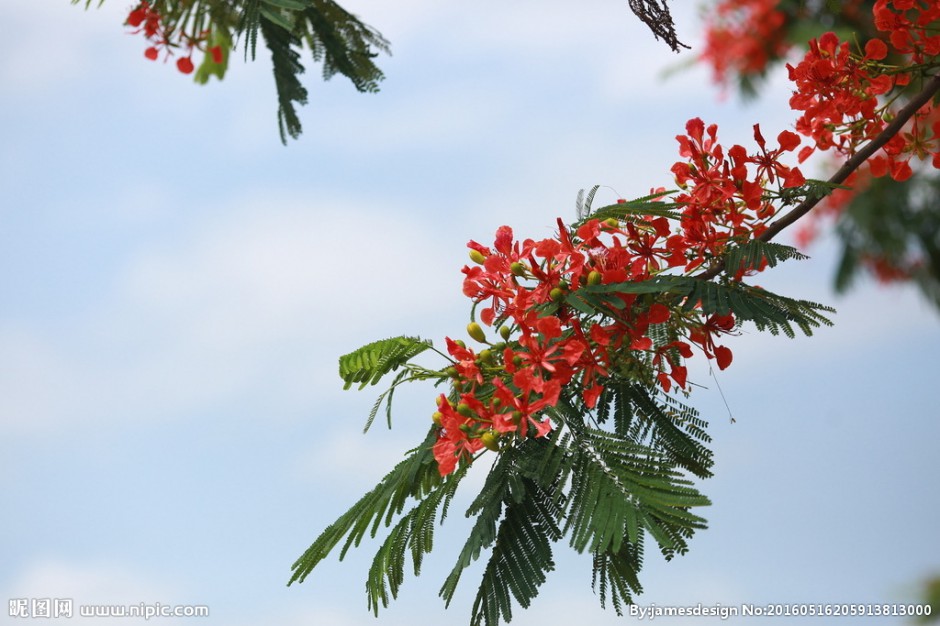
<point>752,254</point>
<point>415,477</point>
<point>290,5</point>
<point>209,68</point>
<point>371,362</point>
<point>284,19</point>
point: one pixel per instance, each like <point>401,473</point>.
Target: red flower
<point>185,65</point>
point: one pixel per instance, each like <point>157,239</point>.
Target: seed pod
<point>477,257</point>
<point>474,330</point>
<point>490,440</point>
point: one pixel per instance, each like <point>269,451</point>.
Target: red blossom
<point>185,65</point>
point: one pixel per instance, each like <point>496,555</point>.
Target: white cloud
<point>239,304</point>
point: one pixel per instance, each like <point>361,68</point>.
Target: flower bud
<point>464,409</point>
<point>556,294</point>
<point>613,222</point>
<point>477,257</point>
<point>436,417</point>
<point>474,330</point>
<point>486,356</point>
<point>504,332</point>
<point>517,268</point>
<point>594,278</point>
<point>490,440</point>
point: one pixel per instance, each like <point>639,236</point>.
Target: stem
<point>854,162</point>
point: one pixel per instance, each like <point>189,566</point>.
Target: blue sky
<point>176,286</point>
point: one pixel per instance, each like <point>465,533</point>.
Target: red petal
<point>876,49</point>
<point>723,356</point>
<point>658,314</point>
<point>788,140</point>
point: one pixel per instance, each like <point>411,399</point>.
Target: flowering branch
<point>582,339</point>
<point>857,159</point>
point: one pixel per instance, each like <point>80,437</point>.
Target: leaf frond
<point>368,364</point>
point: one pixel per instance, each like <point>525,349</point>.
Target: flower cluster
<point>146,20</point>
<point>742,37</point>
<point>910,25</point>
<point>841,92</point>
<point>725,199</point>
<point>535,295</point>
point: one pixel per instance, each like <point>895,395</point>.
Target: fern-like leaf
<point>415,477</point>
<point>414,532</point>
<point>287,68</point>
<point>620,488</point>
<point>521,555</point>
<point>768,311</point>
<point>371,362</point>
<point>617,574</point>
<point>650,417</point>
<point>753,254</point>
<point>344,44</point>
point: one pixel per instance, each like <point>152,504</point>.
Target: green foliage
<point>337,38</point>
<point>647,416</point>
<point>753,254</point>
<point>283,44</point>
<point>371,362</point>
<point>650,205</point>
<point>767,311</point>
<point>413,478</point>
<point>600,490</point>
<point>931,598</point>
<point>896,224</point>
<point>209,67</point>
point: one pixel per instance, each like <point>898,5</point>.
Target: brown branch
<point>852,164</point>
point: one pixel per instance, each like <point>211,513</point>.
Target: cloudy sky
<point>176,286</point>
